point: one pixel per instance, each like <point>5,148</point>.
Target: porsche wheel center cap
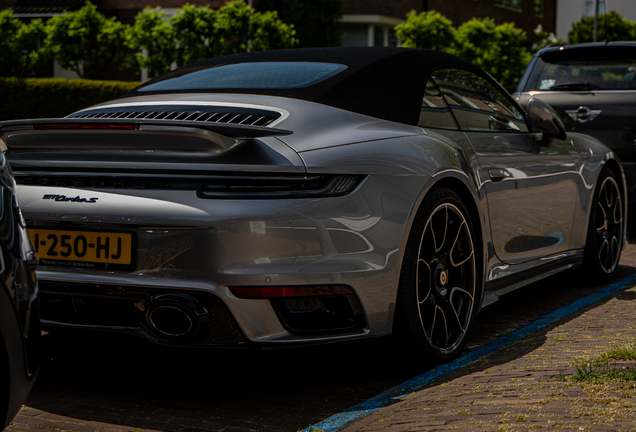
<point>441,277</point>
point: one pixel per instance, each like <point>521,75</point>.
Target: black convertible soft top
<point>386,83</point>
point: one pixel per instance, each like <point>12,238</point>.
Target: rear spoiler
<point>236,131</point>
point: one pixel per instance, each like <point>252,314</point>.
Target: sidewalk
<point>521,387</point>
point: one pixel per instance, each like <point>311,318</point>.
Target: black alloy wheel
<point>606,229</point>
<point>438,293</point>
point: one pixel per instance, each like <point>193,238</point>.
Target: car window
<point>264,75</point>
<point>605,67</point>
<point>435,112</point>
<point>477,104</point>
<point>593,73</point>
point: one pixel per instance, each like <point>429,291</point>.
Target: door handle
<point>498,174</point>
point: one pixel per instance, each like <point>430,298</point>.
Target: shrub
<point>429,30</point>
<point>20,45</point>
<point>611,26</point>
<point>498,49</point>
<point>197,33</point>
<point>86,42</point>
<point>55,97</point>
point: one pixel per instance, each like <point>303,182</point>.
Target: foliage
<point>610,27</point>
<point>235,28</point>
<point>498,49</point>
<point>55,97</point>
<point>427,30</point>
<point>602,371</point>
<point>317,22</point>
<point>9,51</point>
<point>197,33</point>
<point>86,42</point>
<point>268,32</point>
<point>152,33</point>
<point>546,39</point>
<point>21,45</point>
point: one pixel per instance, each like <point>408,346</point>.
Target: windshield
<point>265,75</point>
<point>584,71</point>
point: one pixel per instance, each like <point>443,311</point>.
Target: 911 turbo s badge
<point>583,114</point>
<point>70,199</point>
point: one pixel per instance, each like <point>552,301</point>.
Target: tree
<point>21,45</point>
<point>610,27</point>
<point>429,30</point>
<point>196,33</point>
<point>317,22</point>
<point>546,39</point>
<point>235,28</point>
<point>152,34</point>
<point>498,49</point>
<point>9,50</point>
<point>86,42</point>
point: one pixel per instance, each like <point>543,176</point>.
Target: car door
<point>531,185</point>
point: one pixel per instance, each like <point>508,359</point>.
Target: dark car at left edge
<point>20,335</point>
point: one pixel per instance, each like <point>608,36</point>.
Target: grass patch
<point>623,352</point>
<point>599,370</point>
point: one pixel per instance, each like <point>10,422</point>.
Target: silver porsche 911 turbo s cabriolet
<point>303,196</point>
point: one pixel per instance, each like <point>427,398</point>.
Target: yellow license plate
<point>103,248</point>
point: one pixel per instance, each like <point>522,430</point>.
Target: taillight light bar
<point>87,126</point>
<point>252,292</point>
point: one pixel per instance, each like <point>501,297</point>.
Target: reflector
<point>290,291</point>
<point>88,126</point>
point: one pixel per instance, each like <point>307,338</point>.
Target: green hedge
<point>22,98</point>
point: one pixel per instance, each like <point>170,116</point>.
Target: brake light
<point>89,126</point>
<point>290,291</point>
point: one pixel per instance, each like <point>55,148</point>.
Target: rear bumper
<point>185,245</point>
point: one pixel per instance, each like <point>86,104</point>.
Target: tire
<point>438,294</point>
<point>606,228</point>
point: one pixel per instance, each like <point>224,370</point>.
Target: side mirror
<point>545,119</point>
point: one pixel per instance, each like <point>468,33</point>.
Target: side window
<point>476,104</point>
<point>435,112</point>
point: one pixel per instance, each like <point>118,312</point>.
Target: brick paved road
<point>520,388</point>
<point>114,384</point>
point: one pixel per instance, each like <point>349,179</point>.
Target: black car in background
<point>20,335</point>
<point>593,88</point>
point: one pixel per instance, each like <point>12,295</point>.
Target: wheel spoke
<point>464,255</point>
<point>617,208</point>
<point>439,329</point>
<point>440,244</point>
<point>609,195</point>
<point>604,218</point>
<point>462,307</point>
<point>604,246</point>
<point>423,282</point>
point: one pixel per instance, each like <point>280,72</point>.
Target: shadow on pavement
<point>127,381</point>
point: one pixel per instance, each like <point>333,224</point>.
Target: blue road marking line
<point>357,412</point>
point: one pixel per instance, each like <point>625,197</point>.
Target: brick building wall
<point>392,8</point>
<point>460,11</point>
<point>126,10</point>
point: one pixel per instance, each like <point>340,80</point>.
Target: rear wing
<point>131,142</point>
<point>236,131</point>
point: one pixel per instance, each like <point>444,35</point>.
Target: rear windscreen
<point>262,75</point>
<point>584,70</point>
